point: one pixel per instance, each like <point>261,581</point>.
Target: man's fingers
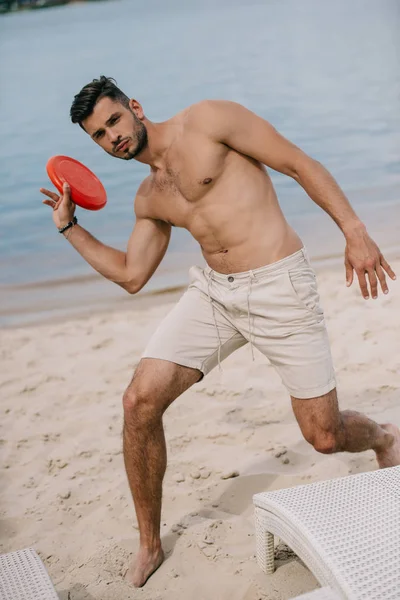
<point>363,284</point>
<point>382,279</point>
<point>50,194</point>
<point>48,202</point>
<point>349,273</point>
<point>373,282</point>
<point>66,193</point>
<point>388,268</point>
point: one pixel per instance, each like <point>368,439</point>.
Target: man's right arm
<point>131,269</point>
<point>146,246</point>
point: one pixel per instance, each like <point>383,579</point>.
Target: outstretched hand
<point>363,256</point>
<point>63,207</point>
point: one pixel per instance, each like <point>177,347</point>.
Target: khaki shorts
<point>276,308</point>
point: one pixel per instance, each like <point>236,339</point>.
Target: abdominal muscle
<point>248,256</point>
<point>234,213</point>
<point>239,234</point>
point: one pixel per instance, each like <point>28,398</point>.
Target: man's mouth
<point>122,146</point>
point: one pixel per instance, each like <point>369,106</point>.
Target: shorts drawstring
<point>215,319</point>
<point>251,277</point>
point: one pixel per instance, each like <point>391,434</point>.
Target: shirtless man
<point>207,175</point>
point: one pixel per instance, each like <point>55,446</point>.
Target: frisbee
<point>87,191</point>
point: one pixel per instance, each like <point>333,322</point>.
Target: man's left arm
<point>249,134</point>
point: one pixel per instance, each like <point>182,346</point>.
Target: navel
<point>207,180</point>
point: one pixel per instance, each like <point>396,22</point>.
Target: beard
<point>139,135</point>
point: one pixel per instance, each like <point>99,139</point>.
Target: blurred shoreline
<point>29,304</point>
<point>84,291</point>
<point>7,6</point>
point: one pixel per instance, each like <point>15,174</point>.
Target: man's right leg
<point>155,385</point>
<point>196,333</point>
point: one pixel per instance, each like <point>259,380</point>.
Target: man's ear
<point>136,108</point>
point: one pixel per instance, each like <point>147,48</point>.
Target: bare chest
<point>189,175</point>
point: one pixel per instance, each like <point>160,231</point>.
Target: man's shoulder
<point>209,115</point>
<point>144,187</point>
<point>204,107</point>
<point>141,198</point>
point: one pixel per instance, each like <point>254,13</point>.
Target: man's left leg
<point>330,430</point>
<point>289,329</point>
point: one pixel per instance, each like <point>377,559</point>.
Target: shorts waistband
<point>289,262</point>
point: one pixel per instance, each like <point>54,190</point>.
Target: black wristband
<point>70,224</point>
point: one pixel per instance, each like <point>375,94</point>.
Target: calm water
<point>326,74</point>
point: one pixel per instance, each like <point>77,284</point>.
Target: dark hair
<point>90,94</point>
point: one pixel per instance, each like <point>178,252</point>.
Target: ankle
<point>385,442</point>
<point>151,547</point>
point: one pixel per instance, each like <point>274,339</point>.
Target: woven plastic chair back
<point>346,530</point>
<point>23,576</point>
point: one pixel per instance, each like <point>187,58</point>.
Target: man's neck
<point>159,136</point>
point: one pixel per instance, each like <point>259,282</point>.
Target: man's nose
<point>113,136</point>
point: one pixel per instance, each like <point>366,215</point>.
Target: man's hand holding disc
<point>63,207</point>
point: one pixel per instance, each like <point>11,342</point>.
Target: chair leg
<point>265,550</point>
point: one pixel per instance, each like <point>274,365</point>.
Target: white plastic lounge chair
<point>346,530</point>
<point>23,576</point>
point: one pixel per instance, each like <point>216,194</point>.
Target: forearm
<point>107,261</point>
<point>319,184</point>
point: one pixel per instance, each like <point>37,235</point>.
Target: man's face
<point>116,129</point>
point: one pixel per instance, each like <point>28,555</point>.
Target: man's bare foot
<point>390,457</point>
<point>145,564</point>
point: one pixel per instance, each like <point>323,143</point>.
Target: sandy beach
<point>63,486</point>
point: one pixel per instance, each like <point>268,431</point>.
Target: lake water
<point>326,74</point>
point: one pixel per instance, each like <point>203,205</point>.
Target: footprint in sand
<point>102,344</point>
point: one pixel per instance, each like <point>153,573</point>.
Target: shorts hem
<point>313,392</point>
<point>181,363</point>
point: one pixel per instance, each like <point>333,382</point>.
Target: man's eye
<point>114,120</point>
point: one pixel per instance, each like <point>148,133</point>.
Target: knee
<point>323,441</point>
<point>138,404</point>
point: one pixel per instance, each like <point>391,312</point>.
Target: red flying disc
<point>87,190</point>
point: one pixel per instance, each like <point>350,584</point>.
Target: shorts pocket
<point>304,287</point>
<point>196,275</point>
